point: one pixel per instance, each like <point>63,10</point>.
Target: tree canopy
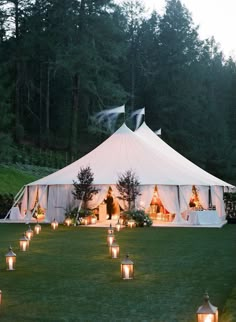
<point>62,62</point>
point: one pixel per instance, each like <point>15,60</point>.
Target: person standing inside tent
<point>109,202</point>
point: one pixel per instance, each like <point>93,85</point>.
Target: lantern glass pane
<point>207,317</point>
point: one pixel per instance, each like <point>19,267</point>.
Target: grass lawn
<point>67,274</point>
<point>13,177</point>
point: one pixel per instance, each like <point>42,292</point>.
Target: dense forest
<point>63,61</point>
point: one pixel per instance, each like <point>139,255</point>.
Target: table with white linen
<point>204,217</point>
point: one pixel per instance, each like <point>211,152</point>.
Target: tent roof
<point>126,150</point>
<point>145,133</point>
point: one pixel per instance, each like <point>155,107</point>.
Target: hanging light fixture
<point>68,221</point>
<point>127,269</point>
<point>110,239</point>
<point>207,312</point>
<point>118,225</point>
<point>10,260</point>
<point>24,243</point>
<point>29,233</point>
<point>54,224</point>
<point>37,229</point>
<point>114,250</point>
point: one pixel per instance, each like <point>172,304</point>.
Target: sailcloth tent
<point>150,158</point>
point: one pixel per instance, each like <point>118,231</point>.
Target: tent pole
<point>16,199</point>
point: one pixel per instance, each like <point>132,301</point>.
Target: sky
<point>214,17</point>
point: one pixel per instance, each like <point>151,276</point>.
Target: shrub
<point>139,216</point>
<point>6,202</point>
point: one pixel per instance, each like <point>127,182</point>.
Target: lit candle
<point>24,247</point>
<point>126,272</point>
<point>208,318</point>
<point>114,252</point>
<point>10,263</point>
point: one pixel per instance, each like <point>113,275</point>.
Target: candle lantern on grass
<point>127,269</point>
<point>110,230</point>
<point>10,260</point>
<point>24,243</point>
<point>118,225</point>
<point>68,221</point>
<point>29,233</point>
<point>37,229</point>
<point>54,224</point>
<point>131,223</point>
<point>114,250</point>
<point>207,312</point>
<point>110,239</point>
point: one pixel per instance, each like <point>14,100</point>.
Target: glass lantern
<point>110,239</point>
<point>29,233</point>
<point>110,230</point>
<point>37,229</point>
<point>54,224</point>
<point>24,243</point>
<point>127,269</point>
<point>131,223</point>
<point>207,312</point>
<point>114,250</point>
<point>10,260</point>
<point>118,225</point>
<point>68,221</point>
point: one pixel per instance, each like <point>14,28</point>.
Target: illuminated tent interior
<point>168,182</point>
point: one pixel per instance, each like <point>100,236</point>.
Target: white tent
<point>151,159</point>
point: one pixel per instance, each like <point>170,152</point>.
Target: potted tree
<point>84,191</point>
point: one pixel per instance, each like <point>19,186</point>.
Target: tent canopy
<point>149,157</point>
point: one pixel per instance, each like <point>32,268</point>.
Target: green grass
<point>67,274</point>
<point>12,178</point>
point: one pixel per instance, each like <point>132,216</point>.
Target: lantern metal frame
<point>114,250</point>
<point>24,243</point>
<point>10,260</point>
<point>131,223</point>
<point>110,239</point>
<point>118,225</point>
<point>54,224</point>
<point>207,312</point>
<point>0,297</point>
<point>110,229</point>
<point>29,233</point>
<point>127,268</point>
<point>37,228</point>
<point>68,221</point>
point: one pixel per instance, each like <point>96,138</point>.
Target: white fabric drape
<point>185,193</point>
<point>144,199</point>
<point>59,200</point>
<point>24,200</point>
<point>32,196</point>
<point>169,198</point>
<point>42,196</point>
<point>203,194</point>
<point>99,197</point>
<point>116,193</point>
<point>217,200</point>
